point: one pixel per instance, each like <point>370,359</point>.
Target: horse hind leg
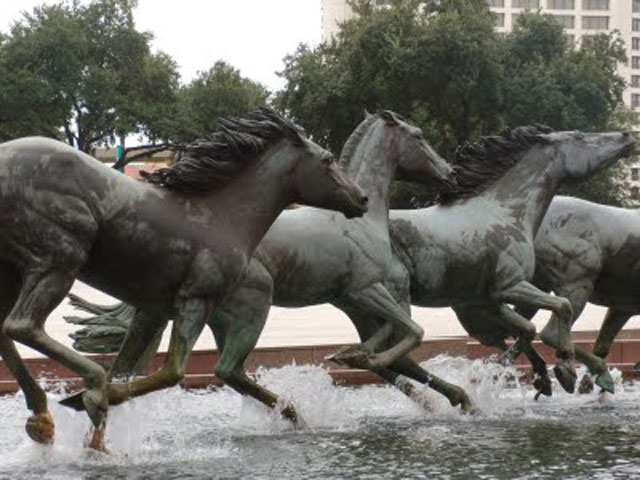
<point>40,293</point>
<point>377,303</point>
<point>405,366</point>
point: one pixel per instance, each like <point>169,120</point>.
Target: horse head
<point>417,160</point>
<point>578,155</point>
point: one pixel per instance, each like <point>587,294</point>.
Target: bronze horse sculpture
<point>173,246</point>
<point>310,256</point>
<point>475,250</point>
<point>588,252</point>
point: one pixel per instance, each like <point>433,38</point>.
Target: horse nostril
<point>364,199</point>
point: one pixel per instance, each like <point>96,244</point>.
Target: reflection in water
<point>362,432</point>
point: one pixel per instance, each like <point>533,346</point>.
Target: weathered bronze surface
<point>173,246</point>
<point>311,256</point>
<point>475,251</point>
<point>590,252</point>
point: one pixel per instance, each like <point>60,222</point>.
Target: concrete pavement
<point>319,325</point>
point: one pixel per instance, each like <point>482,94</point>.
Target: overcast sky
<point>252,35</point>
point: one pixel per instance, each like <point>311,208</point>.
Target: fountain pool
<point>366,432</point>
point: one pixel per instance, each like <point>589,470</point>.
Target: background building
<point>579,18</point>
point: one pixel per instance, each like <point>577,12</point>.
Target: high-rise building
<point>579,18</point>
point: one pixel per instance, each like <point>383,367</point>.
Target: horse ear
<point>366,113</point>
<point>389,117</point>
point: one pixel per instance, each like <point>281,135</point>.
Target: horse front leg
<point>140,344</point>
<point>236,326</point>
<point>377,303</point>
<point>557,332</point>
<point>187,327</point>
<point>611,325</point>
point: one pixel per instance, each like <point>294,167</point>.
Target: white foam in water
<point>177,425</point>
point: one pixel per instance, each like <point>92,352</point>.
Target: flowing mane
<point>209,164</point>
<point>477,165</point>
<point>350,146</point>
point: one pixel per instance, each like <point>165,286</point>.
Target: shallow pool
<point>367,432</point>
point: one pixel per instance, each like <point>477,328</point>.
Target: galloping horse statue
<point>475,251</point>
<point>173,246</point>
<point>311,256</point>
<point>591,252</point>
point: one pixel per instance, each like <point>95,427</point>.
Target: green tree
<point>218,92</point>
<point>81,72</point>
<point>441,64</point>
<point>441,71</point>
<point>547,80</point>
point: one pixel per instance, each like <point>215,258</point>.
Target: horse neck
<point>373,168</point>
<point>527,188</point>
<point>256,197</point>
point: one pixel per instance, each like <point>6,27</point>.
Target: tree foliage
<point>218,92</point>
<point>81,72</point>
<point>441,64</point>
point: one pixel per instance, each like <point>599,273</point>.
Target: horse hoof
<point>95,403</point>
<point>586,385</point>
<point>605,382</point>
<point>96,442</point>
<point>289,412</point>
<point>567,377</point>
<point>40,428</point>
<point>467,406</point>
<point>338,356</point>
<point>74,401</point>
<point>351,357</point>
<point>543,386</point>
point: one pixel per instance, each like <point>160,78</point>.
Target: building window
<point>570,38</point>
<point>525,3</point>
<point>567,21</point>
<point>595,5</point>
<point>635,43</point>
<point>496,3</point>
<point>635,62</point>
<point>514,18</point>
<point>498,19</point>
<point>561,4</point>
<point>635,174</point>
<point>635,81</point>
<point>595,23</point>
<point>636,25</point>
<point>636,6</point>
<point>635,100</point>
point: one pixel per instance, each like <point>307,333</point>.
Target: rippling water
<point>367,432</point>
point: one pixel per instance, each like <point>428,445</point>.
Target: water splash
<point>192,431</point>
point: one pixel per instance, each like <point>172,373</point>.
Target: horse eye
<point>327,160</point>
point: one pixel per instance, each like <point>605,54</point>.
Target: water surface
<point>367,432</point>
